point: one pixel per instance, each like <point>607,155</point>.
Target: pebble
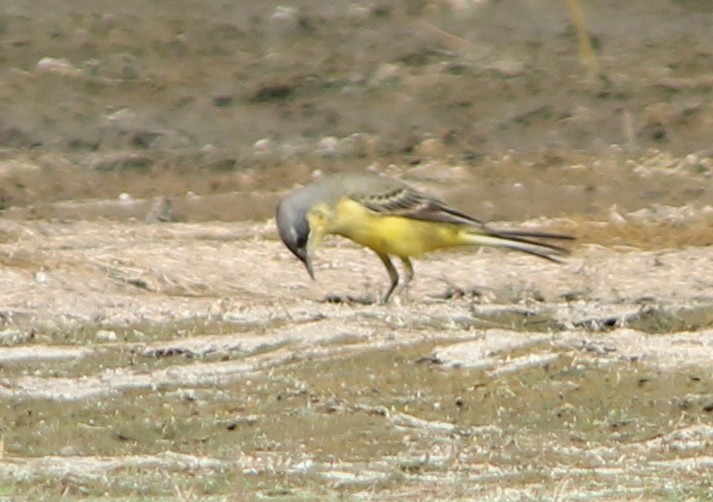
<point>106,335</point>
<point>284,20</point>
<point>386,73</point>
<point>328,147</point>
<point>124,118</point>
<point>265,149</point>
<point>55,65</point>
<point>351,146</point>
<point>264,146</point>
<point>430,147</point>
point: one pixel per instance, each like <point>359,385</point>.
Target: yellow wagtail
<point>392,219</point>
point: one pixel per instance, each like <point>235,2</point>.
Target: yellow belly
<point>394,235</point>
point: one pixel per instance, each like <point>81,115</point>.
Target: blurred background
<point>147,99</point>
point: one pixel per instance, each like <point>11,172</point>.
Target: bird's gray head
<point>293,226</point>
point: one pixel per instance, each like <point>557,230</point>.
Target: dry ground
<point>158,343</point>
<point>189,360</point>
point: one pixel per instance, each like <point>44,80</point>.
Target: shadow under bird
<point>392,219</point>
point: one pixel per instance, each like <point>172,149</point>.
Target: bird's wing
<point>409,203</point>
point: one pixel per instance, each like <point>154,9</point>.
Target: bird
<point>392,219</point>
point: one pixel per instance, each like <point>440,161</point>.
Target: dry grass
<point>645,229</point>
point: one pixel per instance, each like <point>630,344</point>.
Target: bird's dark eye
<point>302,239</point>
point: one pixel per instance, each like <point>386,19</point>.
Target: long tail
<point>520,241</point>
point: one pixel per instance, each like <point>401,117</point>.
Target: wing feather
<point>407,202</point>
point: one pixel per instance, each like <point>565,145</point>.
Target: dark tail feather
<point>523,241</point>
<point>510,234</point>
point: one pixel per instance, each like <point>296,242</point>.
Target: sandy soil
<point>158,342</point>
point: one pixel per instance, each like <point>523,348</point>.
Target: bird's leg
<point>393,275</point>
<point>408,269</point>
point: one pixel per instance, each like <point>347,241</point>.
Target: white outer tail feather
<point>542,250</point>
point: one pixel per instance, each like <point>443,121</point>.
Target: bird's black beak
<point>305,258</point>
